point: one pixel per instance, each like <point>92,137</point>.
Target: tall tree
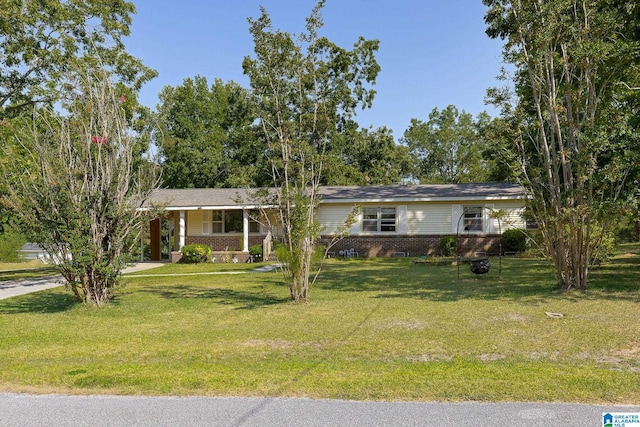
<point>207,137</point>
<point>500,159</point>
<point>44,44</point>
<point>42,41</point>
<point>305,88</point>
<point>572,59</point>
<point>80,202</point>
<point>366,157</point>
<point>447,148</point>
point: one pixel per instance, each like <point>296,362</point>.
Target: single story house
<point>394,220</point>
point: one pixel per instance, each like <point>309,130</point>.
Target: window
<point>217,222</point>
<point>233,221</point>
<point>472,218</point>
<point>370,219</point>
<point>229,221</point>
<point>254,225</point>
<point>379,220</point>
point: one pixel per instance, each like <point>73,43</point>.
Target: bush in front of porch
<point>195,253</point>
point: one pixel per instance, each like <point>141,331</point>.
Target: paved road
<point>80,411</point>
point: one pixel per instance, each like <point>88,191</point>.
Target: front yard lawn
<point>383,329</point>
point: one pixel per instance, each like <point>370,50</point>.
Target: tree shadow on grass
<point>243,299</point>
<point>526,280</point>
<point>26,273</point>
<point>47,301</point>
<point>618,276</point>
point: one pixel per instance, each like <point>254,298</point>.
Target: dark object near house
<point>480,266</point>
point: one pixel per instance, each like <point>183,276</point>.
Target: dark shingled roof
<point>233,197</point>
<point>424,192</point>
<point>194,197</point>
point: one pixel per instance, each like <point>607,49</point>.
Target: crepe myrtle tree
<point>304,88</point>
<point>80,195</point>
<point>574,64</point>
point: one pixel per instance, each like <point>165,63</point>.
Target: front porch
<point>228,232</point>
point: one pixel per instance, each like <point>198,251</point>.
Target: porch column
<point>245,230</point>
<point>181,230</point>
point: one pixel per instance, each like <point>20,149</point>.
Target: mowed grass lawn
<point>382,329</point>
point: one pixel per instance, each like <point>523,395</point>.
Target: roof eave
<point>426,199</point>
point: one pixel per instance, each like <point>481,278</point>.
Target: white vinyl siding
<point>428,218</point>
<point>333,217</point>
<point>402,219</point>
<point>194,223</point>
<point>442,218</point>
<point>513,217</point>
<point>436,218</point>
<point>489,223</point>
<point>456,217</point>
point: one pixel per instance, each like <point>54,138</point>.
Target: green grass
<point>24,270</point>
<point>200,268</point>
<point>381,329</point>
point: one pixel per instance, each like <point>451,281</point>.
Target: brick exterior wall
<point>368,246</point>
<point>387,246</point>
<point>219,243</point>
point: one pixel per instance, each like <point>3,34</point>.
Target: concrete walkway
<point>12,288</point>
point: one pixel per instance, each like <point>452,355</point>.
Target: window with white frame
<point>217,222</point>
<point>232,221</point>
<point>378,219</point>
<point>472,218</point>
<point>224,221</point>
<point>254,221</point>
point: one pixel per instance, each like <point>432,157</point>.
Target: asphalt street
<point>81,411</point>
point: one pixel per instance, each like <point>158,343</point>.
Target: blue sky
<point>432,52</point>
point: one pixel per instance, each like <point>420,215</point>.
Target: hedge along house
<point>403,220</point>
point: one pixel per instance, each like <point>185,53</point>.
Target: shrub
<point>602,249</point>
<point>514,240</point>
<point>448,245</point>
<point>10,243</point>
<point>256,252</point>
<point>196,252</point>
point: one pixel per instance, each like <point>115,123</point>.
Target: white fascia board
<point>214,208</point>
<point>423,199</point>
